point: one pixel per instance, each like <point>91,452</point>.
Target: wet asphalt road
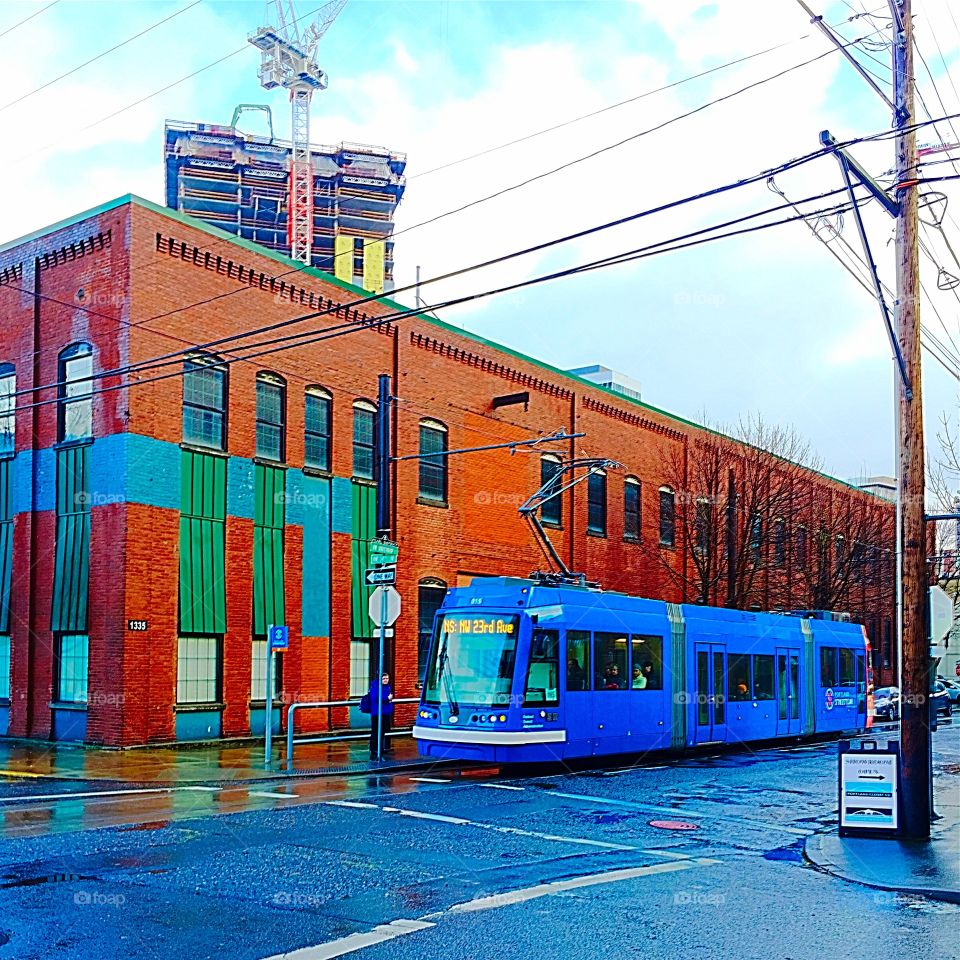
<point>458,864</point>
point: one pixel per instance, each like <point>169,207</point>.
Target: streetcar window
<point>828,666</point>
<point>762,677</point>
<point>739,666</point>
<point>609,661</point>
<point>543,674</point>
<point>472,660</point>
<point>578,659</point>
<point>646,671</point>
<point>848,676</point>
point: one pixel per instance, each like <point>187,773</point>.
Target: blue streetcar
<point>522,671</point>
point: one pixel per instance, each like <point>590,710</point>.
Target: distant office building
<point>885,487</point>
<point>240,183</point>
<point>605,377</point>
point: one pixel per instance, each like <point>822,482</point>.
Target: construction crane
<point>289,60</point>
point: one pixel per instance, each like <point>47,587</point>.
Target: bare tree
<point>756,526</point>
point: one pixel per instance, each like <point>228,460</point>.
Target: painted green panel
<point>6,489</point>
<point>364,530</point>
<point>72,561</point>
<point>203,607</point>
<point>268,518</point>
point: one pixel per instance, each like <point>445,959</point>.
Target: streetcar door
<point>710,695</point>
<point>577,696</point>
<point>788,691</point>
<point>861,690</point>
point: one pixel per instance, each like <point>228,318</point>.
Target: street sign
<point>869,788</point>
<point>380,575</point>
<point>279,637</point>
<point>383,551</point>
<point>384,606</point>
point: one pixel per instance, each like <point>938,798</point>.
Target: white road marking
<point>574,883</point>
<point>356,941</point>
<point>427,780</point>
<point>353,804</point>
<point>461,822</point>
<point>498,786</point>
<point>266,793</point>
<point>104,793</point>
<point>691,814</point>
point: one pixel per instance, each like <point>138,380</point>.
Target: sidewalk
<point>204,763</point>
<point>929,868</point>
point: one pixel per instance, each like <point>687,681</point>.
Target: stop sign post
<point>383,608</point>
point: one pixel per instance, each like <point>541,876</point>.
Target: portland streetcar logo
<point>828,698</point>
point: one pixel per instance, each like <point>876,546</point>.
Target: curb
<point>824,865</point>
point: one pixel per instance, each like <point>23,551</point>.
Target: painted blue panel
<point>4,720</point>
<point>256,720</point>
<point>69,724</point>
<point>342,516</point>
<point>45,463</point>
<point>306,493</point>
<point>240,487</point>
<point>316,556</point>
<point>198,724</point>
<point>137,469</point>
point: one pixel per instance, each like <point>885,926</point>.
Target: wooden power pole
<point>915,675</point>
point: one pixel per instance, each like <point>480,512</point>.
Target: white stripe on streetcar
<point>356,941</point>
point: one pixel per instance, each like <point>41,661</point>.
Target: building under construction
<point>240,183</point>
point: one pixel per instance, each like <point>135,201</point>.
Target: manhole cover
<point>673,825</point>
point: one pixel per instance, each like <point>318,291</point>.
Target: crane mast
<point>289,60</point>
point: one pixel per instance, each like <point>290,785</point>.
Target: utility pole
<point>384,529</point>
<point>915,679</point>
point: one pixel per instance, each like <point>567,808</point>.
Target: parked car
<point>953,688</point>
<point>886,703</point>
<point>940,703</point>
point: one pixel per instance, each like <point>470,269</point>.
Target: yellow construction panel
<point>343,258</point>
<point>373,254</point>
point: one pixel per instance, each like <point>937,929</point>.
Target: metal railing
<point>336,737</point>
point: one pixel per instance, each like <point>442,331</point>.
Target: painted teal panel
<point>4,720</point>
<point>69,724</point>
<point>240,488</point>
<point>128,467</point>
<point>342,516</point>
<point>257,716</point>
<point>198,725</point>
<point>315,577</point>
<point>305,494</point>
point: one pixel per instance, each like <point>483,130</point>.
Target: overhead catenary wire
<point>352,328</point>
<point>214,344</point>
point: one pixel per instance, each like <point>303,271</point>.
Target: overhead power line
<point>20,23</point>
<point>99,56</point>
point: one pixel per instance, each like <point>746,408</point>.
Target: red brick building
<point>154,519</point>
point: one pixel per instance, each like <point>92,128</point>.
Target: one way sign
<point>378,576</point>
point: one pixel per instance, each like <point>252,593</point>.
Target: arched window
<point>364,439</point>
<point>756,537</point>
<point>779,542</point>
<point>668,531</point>
<point>318,422</point>
<point>205,402</point>
<point>551,511</point>
<point>75,419</point>
<point>597,503</point>
<point>8,406</point>
<point>631,508</point>
<point>430,594</point>
<point>433,461</point>
<point>271,417</point>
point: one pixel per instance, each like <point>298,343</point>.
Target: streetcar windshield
<point>472,660</point>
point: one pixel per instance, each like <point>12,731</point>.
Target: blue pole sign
<point>279,638</point>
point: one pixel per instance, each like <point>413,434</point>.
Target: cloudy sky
<point>768,323</point>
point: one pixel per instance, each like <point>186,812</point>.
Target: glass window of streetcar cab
<point>472,661</point>
<point>763,688</point>
<point>740,677</point>
<point>543,673</point>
